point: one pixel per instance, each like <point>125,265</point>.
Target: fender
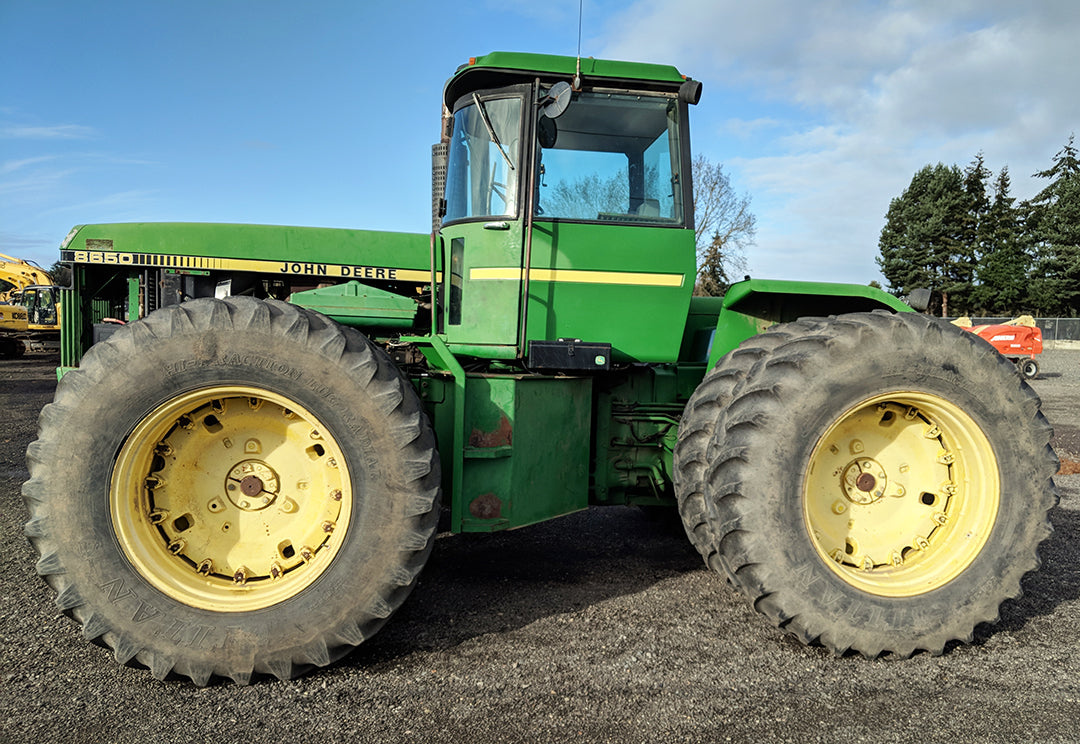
<point>751,306</point>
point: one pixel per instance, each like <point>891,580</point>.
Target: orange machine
<point>1020,340</point>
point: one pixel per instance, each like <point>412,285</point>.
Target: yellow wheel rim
<point>901,494</point>
<point>230,498</point>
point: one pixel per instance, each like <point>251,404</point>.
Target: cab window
<point>483,170</point>
<point>615,158</point>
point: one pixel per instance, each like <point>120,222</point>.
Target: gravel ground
<point>601,626</point>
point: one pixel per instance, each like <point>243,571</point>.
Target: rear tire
<point>1029,369</point>
<point>696,428</point>
<point>232,487</point>
<point>879,482</point>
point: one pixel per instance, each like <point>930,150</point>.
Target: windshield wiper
<point>491,130</point>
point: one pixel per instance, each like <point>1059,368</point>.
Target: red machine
<point>1020,340</point>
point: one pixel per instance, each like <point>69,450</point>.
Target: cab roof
<point>504,68</point>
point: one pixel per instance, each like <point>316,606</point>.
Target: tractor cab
<point>565,214</point>
<point>41,303</point>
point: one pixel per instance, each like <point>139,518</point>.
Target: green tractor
<point>258,430</point>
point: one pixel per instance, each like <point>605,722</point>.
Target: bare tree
<point>724,226</point>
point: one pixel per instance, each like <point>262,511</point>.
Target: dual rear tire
<point>874,482</point>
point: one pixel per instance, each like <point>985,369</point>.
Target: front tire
<point>879,483</point>
<point>232,487</point>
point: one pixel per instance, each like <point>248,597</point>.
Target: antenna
<point>577,74</point>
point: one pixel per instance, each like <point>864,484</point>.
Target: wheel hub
<point>864,481</point>
<point>251,485</point>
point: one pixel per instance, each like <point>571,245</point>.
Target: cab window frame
<point>519,155</point>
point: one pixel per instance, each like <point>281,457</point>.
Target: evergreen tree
<point>975,227</point>
<point>1005,265</point>
<point>713,263</point>
<point>923,242</point>
<point>1053,221</point>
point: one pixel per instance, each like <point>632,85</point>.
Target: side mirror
<point>557,100</point>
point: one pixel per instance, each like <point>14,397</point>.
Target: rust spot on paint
<point>501,437</point>
<point>487,506</point>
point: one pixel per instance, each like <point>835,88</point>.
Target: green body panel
<point>361,305</point>
<point>751,306</point>
<point>296,250</point>
<point>501,461</point>
<point>627,286</point>
<point>483,314</point>
<point>70,325</point>
<point>618,284</point>
<point>526,455</point>
<point>117,267</point>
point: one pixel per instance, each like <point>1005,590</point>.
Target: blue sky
<point>323,113</point>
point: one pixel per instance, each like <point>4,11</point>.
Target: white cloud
<point>13,165</point>
<point>38,181</point>
<point>851,99</point>
<point>114,206</point>
<point>55,132</point>
<point>25,246</point>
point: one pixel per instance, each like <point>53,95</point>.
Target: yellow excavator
<point>29,307</point>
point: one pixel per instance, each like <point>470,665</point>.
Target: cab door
<point>482,232</point>
<point>611,255</point>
